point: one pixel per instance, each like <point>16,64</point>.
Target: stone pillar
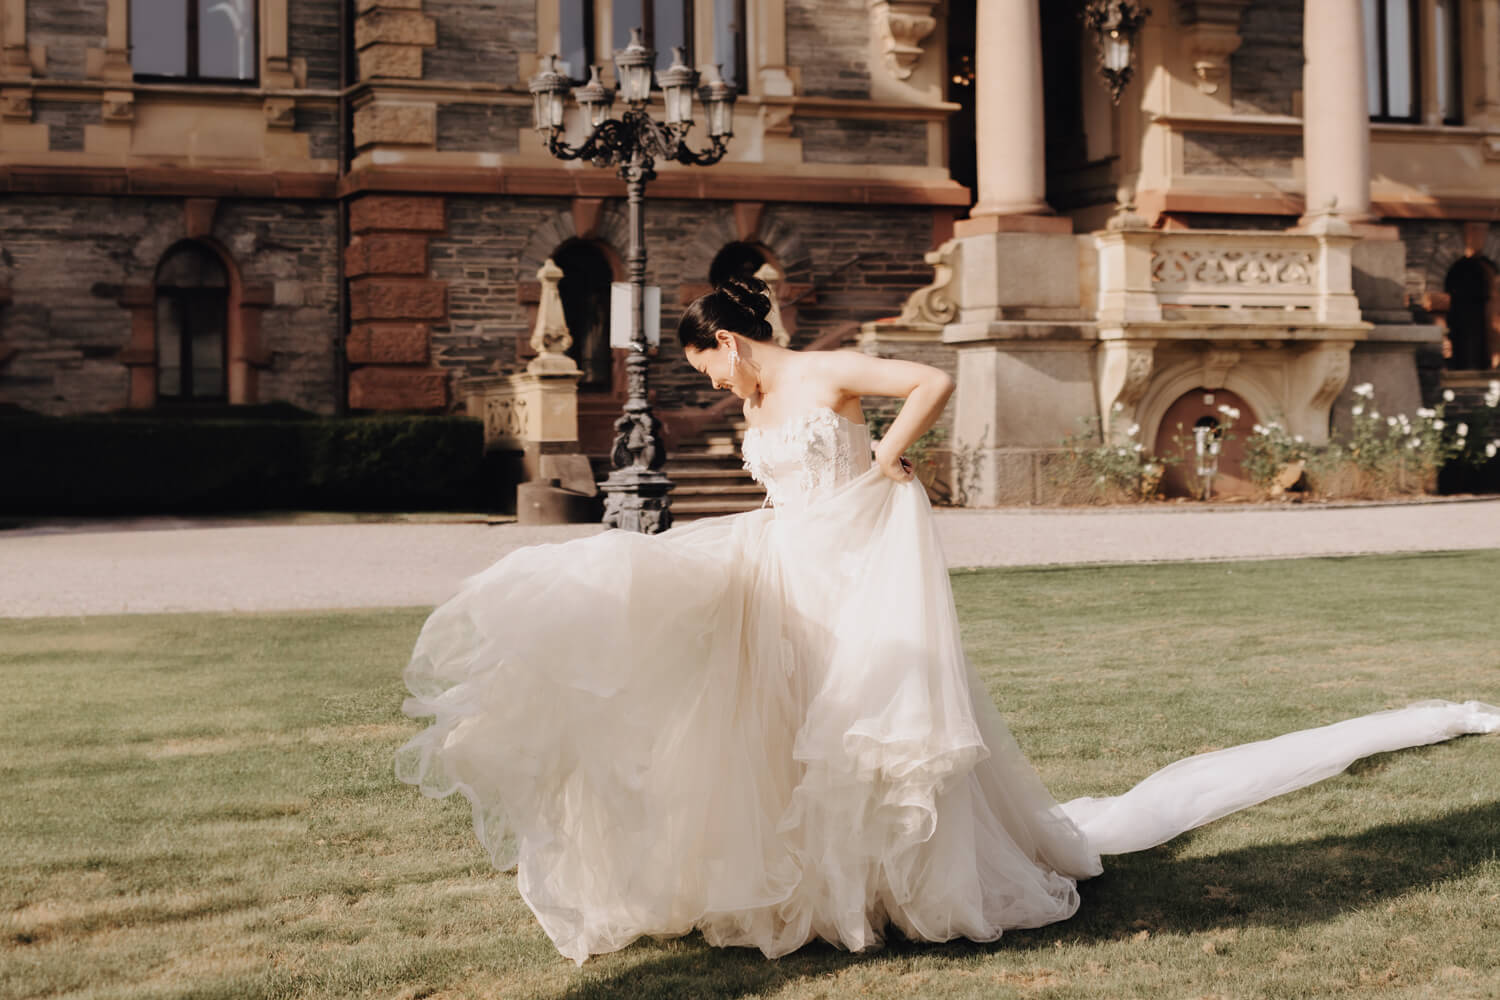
<point>1008,109</point>
<point>1335,109</point>
<point>392,303</point>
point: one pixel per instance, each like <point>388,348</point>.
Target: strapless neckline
<point>800,418</point>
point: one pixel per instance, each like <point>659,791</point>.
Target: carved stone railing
<point>1148,276</point>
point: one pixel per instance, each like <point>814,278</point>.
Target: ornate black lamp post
<point>636,490</point>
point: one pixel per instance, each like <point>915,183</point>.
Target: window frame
<point>1414,55</point>
<point>192,74</point>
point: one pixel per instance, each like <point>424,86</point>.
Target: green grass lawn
<point>203,805</point>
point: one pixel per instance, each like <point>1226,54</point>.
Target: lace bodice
<point>807,457</point>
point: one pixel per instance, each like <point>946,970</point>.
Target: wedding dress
<point>763,726</point>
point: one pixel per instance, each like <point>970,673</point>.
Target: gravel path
<point>156,565</point>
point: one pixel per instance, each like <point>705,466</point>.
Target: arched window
<point>736,260</point>
<point>209,41</point>
<point>1472,337</point>
<point>585,285</point>
<point>582,33</point>
<point>192,306</point>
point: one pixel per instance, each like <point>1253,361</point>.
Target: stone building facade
<point>341,204</point>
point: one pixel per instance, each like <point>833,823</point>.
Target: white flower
<point>1491,448</point>
<point>1121,452</point>
<point>1390,421</point>
<point>1139,447</point>
<point>1134,430</point>
<point>1426,413</point>
<point>1258,429</point>
<point>1298,439</point>
<point>1119,407</point>
<point>1358,410</point>
<point>1438,425</point>
<point>1462,430</point>
<point>1374,414</point>
<point>1414,443</point>
<point>1364,389</point>
<point>1447,395</point>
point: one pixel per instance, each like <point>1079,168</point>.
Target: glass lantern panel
<point>557,106</point>
<point>1116,53</point>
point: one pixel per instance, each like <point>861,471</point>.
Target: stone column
<point>1008,109</point>
<point>1335,109</point>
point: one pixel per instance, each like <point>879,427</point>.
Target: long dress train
<point>763,726</point>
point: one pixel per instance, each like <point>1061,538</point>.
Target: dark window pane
<point>1400,92</point>
<point>573,24</point>
<point>1445,54</point>
<point>672,22</point>
<point>1373,58</point>
<point>729,36</point>
<point>158,37</point>
<point>226,39</point>
<point>627,14</point>
<point>168,349</point>
<point>206,323</point>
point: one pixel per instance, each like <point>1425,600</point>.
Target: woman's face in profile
<point>715,364</point>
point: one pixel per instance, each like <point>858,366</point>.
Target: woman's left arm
<point>925,390</point>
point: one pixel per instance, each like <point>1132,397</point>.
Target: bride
<point>763,727</point>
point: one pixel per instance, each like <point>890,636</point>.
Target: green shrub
<point>111,464</point>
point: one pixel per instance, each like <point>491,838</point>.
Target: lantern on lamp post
<point>1115,24</point>
<point>636,489</point>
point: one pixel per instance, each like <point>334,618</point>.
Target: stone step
<point>692,510</point>
<point>693,491</point>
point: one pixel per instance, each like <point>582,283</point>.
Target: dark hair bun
<point>739,305</point>
<point>749,294</point>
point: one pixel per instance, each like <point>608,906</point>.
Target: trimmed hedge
<point>117,464</point>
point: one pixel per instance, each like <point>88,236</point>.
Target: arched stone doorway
<point>740,259</point>
<point>585,288</point>
<point>1471,319</point>
<point>1201,406</point>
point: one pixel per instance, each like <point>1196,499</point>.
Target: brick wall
<point>1267,68</point>
<point>1229,154</point>
<point>67,261</point>
<point>862,140</point>
<point>479,39</point>
<point>65,121</point>
<point>313,35</point>
<point>481,128</point>
<point>829,40</point>
<point>68,28</point>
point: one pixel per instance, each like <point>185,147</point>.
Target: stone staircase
<point>709,476</point>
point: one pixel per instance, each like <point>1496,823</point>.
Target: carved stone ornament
<point>933,303</point>
<point>118,106</point>
<point>900,27</point>
<point>550,337</point>
<point>1172,268</point>
<point>1334,361</point>
<point>505,419</point>
<point>281,112</point>
<point>1213,35</point>
<point>15,105</point>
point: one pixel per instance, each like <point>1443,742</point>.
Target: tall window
<point>664,23</point>
<point>1473,333</point>
<point>1445,54</point>
<point>210,41</point>
<point>192,306</point>
<point>1391,60</point>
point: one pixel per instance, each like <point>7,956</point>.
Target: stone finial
<point>550,338</point>
<point>768,273</point>
<point>900,28</point>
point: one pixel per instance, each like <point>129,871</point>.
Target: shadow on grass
<point>1281,885</point>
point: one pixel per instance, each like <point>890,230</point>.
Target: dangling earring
<point>734,360</point>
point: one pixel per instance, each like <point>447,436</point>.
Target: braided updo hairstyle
<point>739,305</point>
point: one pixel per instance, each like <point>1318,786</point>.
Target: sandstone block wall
<point>1267,68</point>
<point>68,28</point>
<point>829,41</point>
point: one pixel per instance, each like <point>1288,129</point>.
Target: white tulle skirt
<point>764,727</point>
